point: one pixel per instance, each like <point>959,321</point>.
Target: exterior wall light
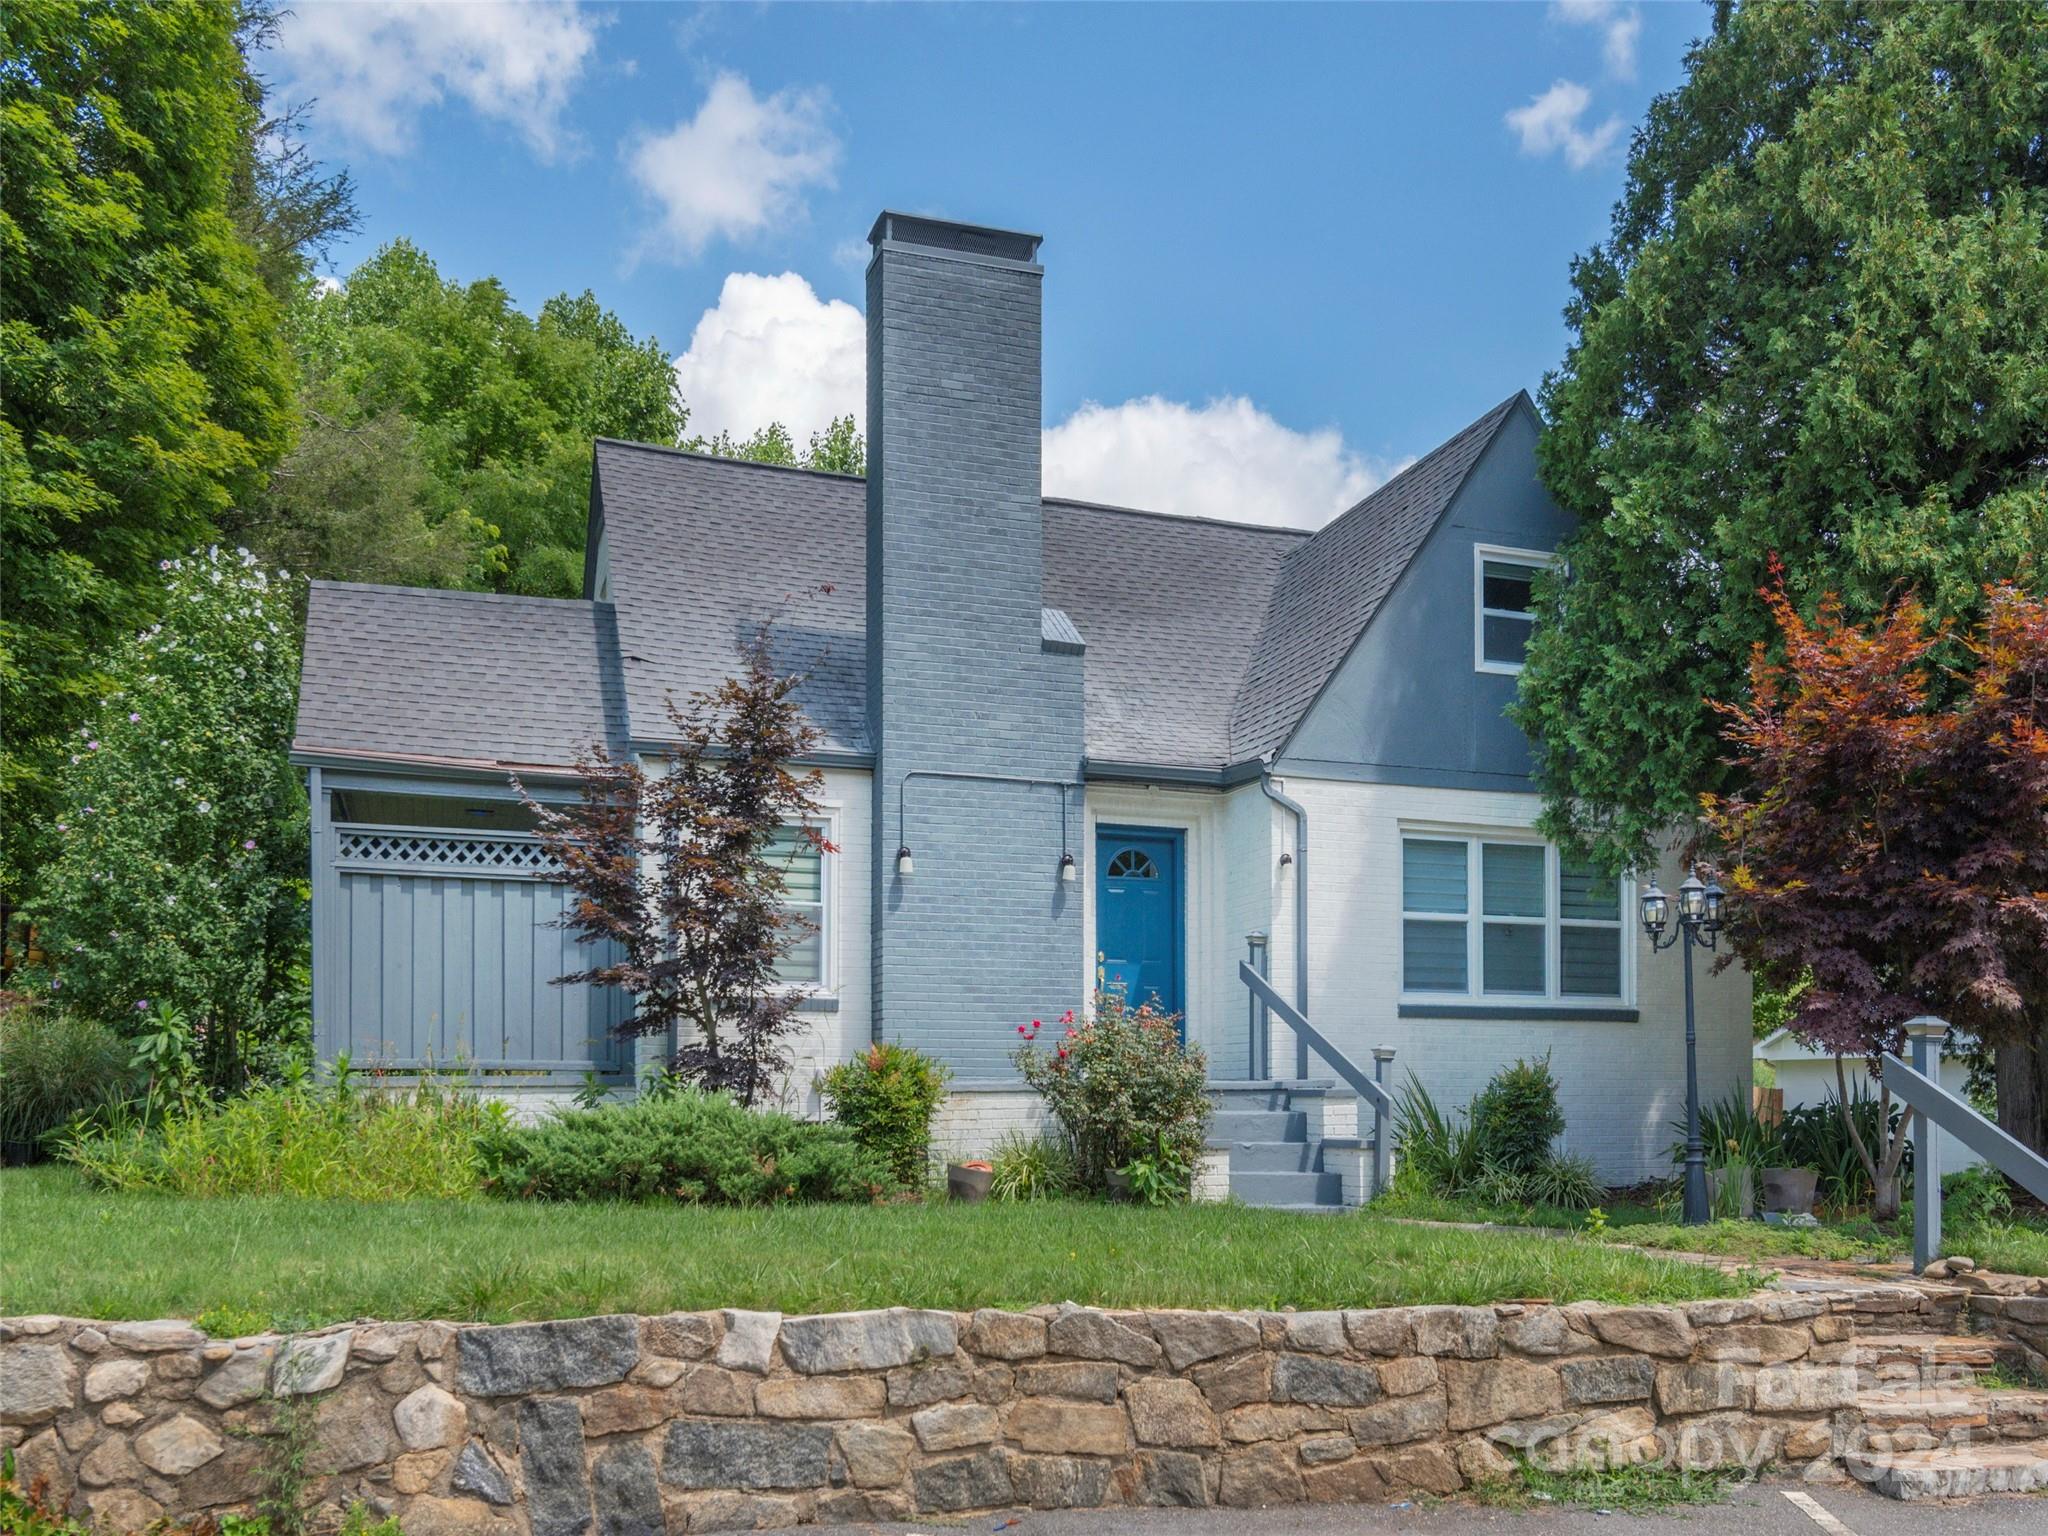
<point>904,868</point>
<point>1286,859</point>
<point>1068,872</point>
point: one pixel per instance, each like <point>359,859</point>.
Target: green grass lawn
<point>2018,1247</point>
<point>298,1263</point>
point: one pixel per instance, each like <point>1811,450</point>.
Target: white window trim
<point>827,984</point>
<point>1554,924</point>
<point>1481,553</point>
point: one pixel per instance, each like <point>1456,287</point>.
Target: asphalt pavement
<point>1761,1509</point>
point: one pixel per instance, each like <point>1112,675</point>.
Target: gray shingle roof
<point>457,677</point>
<point>703,550</point>
<point>1205,641</point>
<point>1331,586</point>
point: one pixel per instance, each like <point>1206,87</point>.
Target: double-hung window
<point>806,886</point>
<point>1507,919</point>
<point>1504,605</point>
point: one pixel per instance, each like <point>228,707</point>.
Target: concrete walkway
<point>1756,1510</point>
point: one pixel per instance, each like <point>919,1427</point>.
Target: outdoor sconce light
<point>1067,871</point>
<point>1286,859</point>
<point>904,868</point>
<point>1656,911</point>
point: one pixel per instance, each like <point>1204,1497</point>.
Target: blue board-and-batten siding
<point>453,968</point>
<point>459,971</point>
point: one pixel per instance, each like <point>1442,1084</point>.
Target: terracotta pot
<point>968,1184</point>
<point>1790,1190</point>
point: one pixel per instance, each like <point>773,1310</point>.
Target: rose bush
<point>1123,1087</point>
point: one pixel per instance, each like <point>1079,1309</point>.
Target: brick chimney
<point>966,698</point>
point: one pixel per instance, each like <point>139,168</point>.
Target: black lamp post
<point>1699,923</point>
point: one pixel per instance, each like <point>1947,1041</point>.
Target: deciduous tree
<point>676,871</point>
<point>147,386</point>
<point>1891,842</point>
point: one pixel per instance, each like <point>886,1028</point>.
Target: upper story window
<point>1510,920</point>
<point>1504,605</point>
<point>805,890</point>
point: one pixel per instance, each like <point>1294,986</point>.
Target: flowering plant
<point>180,885</point>
<point>1123,1087</point>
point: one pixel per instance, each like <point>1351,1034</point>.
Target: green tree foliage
<point>147,386</point>
<point>447,437</point>
<point>177,900</point>
<point>839,449</point>
<point>1818,329</point>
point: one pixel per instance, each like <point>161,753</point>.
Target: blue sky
<point>1287,249</point>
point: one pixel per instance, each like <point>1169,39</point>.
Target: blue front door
<point>1138,913</point>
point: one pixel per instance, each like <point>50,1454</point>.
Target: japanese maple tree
<point>677,868</point>
<point>1892,838</point>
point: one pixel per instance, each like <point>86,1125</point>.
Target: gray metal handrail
<point>1919,1085</point>
<point>1367,1088</point>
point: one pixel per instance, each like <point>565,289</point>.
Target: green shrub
<point>1516,1116</point>
<point>337,1141</point>
<point>886,1096</point>
<point>1124,1087</point>
<point>1567,1181</point>
<point>1437,1151</point>
<point>180,875</point>
<point>1031,1168</point>
<point>689,1146</point>
<point>55,1065</point>
<point>1975,1197</point>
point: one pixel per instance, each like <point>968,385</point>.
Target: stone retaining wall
<point>2022,1319</point>
<point>643,1426</point>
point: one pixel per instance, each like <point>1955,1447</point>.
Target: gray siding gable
<point>1408,704</point>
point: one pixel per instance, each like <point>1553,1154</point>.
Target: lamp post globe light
<point>1699,912</point>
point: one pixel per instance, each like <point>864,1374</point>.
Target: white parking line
<point>1810,1507</point>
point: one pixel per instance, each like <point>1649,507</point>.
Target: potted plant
<point>1731,1185</point>
<point>969,1182</point>
<point>1790,1191</point>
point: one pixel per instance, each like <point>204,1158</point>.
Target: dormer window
<point>1504,605</point>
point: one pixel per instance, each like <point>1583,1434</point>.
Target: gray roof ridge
<point>393,590</point>
<point>721,458</point>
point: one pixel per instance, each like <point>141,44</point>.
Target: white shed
<point>1807,1076</point>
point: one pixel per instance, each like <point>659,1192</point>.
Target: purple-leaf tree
<point>1892,842</point>
<point>676,872</point>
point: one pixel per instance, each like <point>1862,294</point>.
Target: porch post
<point>1927,1034</point>
<point>1382,1125</point>
<point>1258,1026</point>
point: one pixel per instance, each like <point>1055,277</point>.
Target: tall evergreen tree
<point>1818,331</point>
<point>146,384</point>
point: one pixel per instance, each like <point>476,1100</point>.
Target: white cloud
<point>1226,459</point>
<point>1620,27</point>
<point>1553,121</point>
<point>375,67</point>
<point>772,350</point>
<point>742,164</point>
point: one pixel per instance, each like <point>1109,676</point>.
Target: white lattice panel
<point>442,852</point>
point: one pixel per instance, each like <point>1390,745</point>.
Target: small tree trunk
<point>2021,1067</point>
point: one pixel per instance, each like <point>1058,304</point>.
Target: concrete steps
<point>1275,1136</point>
<point>1955,1472</point>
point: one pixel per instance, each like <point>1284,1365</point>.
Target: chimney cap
<point>896,228</point>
